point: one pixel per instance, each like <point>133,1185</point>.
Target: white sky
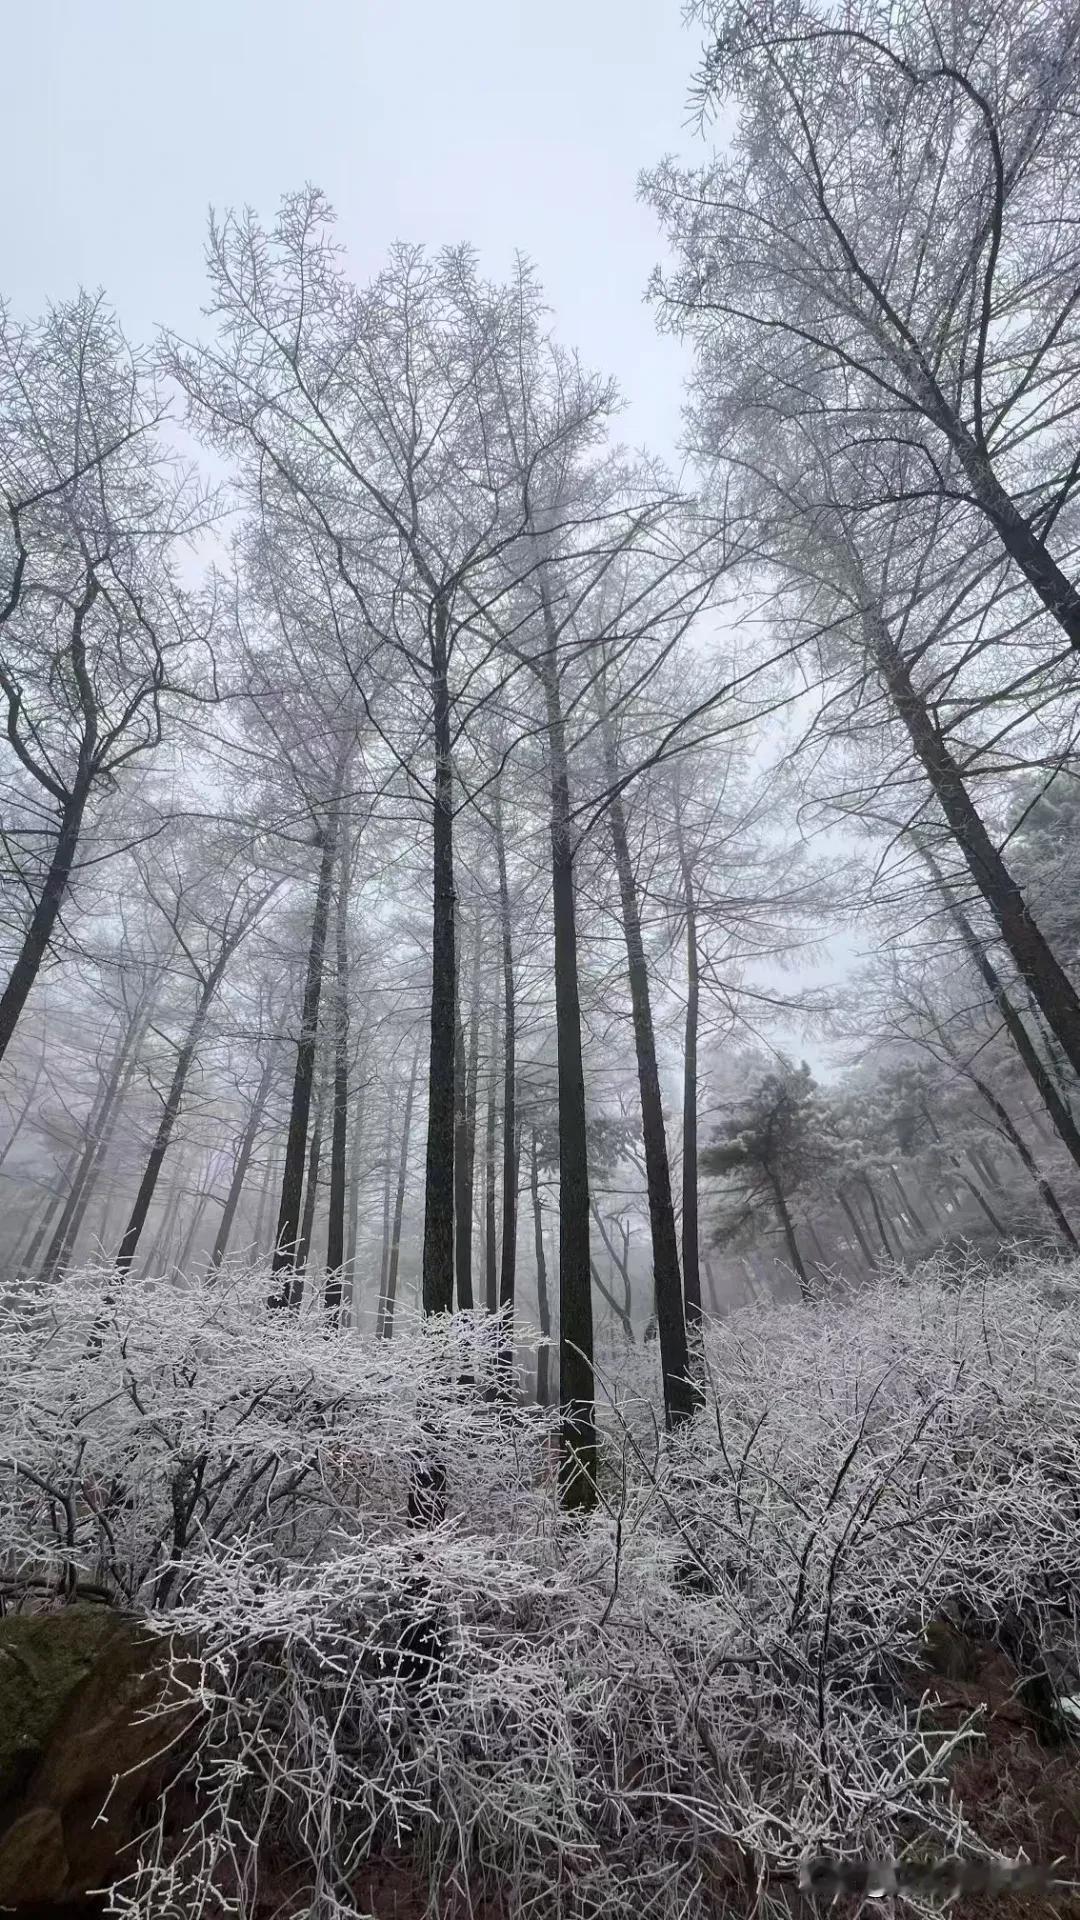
<point>506,124</point>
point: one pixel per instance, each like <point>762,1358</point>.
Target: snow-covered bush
<point>658,1710</point>
<point>142,1423</point>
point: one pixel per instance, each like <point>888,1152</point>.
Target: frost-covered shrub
<point>658,1710</point>
<point>142,1423</point>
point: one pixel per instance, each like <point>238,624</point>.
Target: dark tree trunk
<point>620,1313</point>
<point>680,1396</point>
<point>511,1136</point>
<point>159,1246</point>
<point>101,1153</point>
<point>94,1147</point>
<point>264,1199</point>
<point>388,1189</point>
<point>104,1235</point>
<point>1055,1059</point>
<point>286,1238</point>
<point>815,1241</point>
<point>462,1176</point>
<point>465,1178</point>
<point>1031,954</point>
<point>784,1215</point>
<point>857,1228</point>
<point>543,1304</point>
<point>438,1271</point>
<point>983,1162</point>
<point>46,912</point>
<point>170,1115</point>
<point>243,1160</point>
<point>31,1230</point>
<point>621,1263</point>
<point>714,1297</point>
<point>879,1218</point>
<point>1056,1107</point>
<point>690,1228</point>
<point>1016,1139</point>
<point>48,1215</point>
<point>981,1200</point>
<point>311,1197</point>
<point>576,1384</point>
<point>1025,547</point>
<point>491,1262</point>
<point>197,1213</point>
<point>18,1123</point>
<point>335,1227</point>
<point>387,1327</point>
<point>355,1163</point>
<point>907,1202</point>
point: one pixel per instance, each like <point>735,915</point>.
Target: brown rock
<point>33,1858</point>
<point>86,1750</point>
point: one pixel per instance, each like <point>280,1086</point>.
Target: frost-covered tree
<point>96,635</point>
<point>771,1147</point>
<point>890,241</point>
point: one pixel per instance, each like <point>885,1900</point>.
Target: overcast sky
<point>505,124</point>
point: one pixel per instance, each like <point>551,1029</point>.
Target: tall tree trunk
<point>170,1115</point>
<point>618,1310</point>
<point>311,1196</point>
<point>243,1159</point>
<point>543,1304</point>
<point>31,1230</point>
<point>680,1396</point>
<point>981,1200</point>
<point>879,1219</point>
<point>462,1180</point>
<point>35,942</point>
<point>18,1124</point>
<point>491,1280</point>
<point>201,1199</point>
<point>621,1263</point>
<point>286,1238</point>
<point>438,1269</point>
<point>269,1181</point>
<point>814,1237</point>
<point>1016,1139</point>
<point>857,1228</point>
<point>69,1247</point>
<point>1057,1108</point>
<point>1023,545</point>
<point>53,1204</point>
<point>783,1212</point>
<point>103,1235</point>
<point>714,1297</point>
<point>511,1134</point>
<point>355,1163</point>
<point>907,1202</point>
<point>983,1162</point>
<point>159,1246</point>
<point>1055,1059</point>
<point>94,1146</point>
<point>387,1316</point>
<point>690,1215</point>
<point>464,1170</point>
<point>388,1189</point>
<point>1031,953</point>
<point>335,1229</point>
<point>576,1384</point>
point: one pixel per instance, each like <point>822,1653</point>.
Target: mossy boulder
<point>92,1726</point>
<point>44,1657</point>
